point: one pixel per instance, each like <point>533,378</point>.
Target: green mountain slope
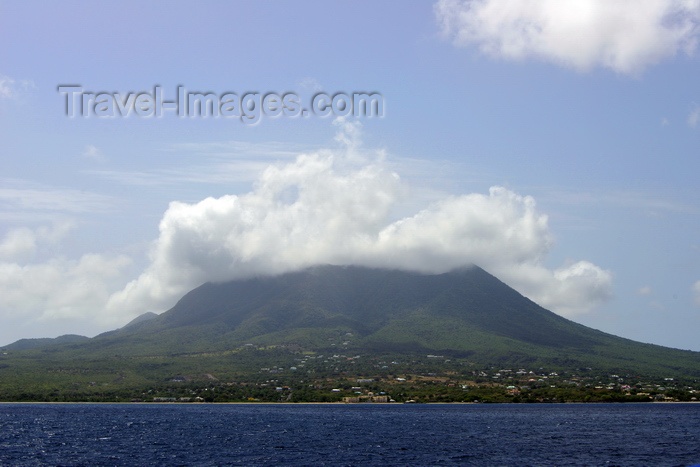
<point>465,314</point>
<point>26,344</point>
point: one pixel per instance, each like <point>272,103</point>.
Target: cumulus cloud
<point>18,243</point>
<point>341,206</point>
<point>21,243</point>
<point>646,290</point>
<point>59,294</point>
<point>623,35</point>
<point>569,290</point>
<point>61,288</point>
<point>335,207</point>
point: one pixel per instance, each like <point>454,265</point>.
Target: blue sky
<point>553,143</point>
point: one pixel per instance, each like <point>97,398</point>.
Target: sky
<point>147,148</point>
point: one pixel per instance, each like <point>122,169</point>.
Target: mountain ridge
<point>466,311</point>
<point>362,318</point>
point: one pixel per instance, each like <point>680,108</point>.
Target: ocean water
<point>338,435</point>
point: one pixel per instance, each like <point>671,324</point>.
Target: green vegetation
<point>277,374</point>
<point>312,335</point>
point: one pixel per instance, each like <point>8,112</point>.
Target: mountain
<point>459,311</point>
<point>140,319</point>
<point>466,315</point>
<point>466,312</point>
<point>26,344</point>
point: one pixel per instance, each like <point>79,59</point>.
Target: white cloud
<point>623,35</point>
<point>11,88</point>
<point>61,288</point>
<point>59,295</point>
<point>21,243</point>
<point>331,206</point>
<point>646,290</point>
<point>18,243</point>
<point>335,207</point>
<point>94,153</point>
<point>6,84</point>
<point>696,291</point>
<point>569,290</point>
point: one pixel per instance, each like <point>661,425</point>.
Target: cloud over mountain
<point>626,36</point>
<point>335,207</point>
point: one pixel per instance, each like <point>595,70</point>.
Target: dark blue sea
<point>338,435</point>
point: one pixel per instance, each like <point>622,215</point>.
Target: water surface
<point>332,434</point>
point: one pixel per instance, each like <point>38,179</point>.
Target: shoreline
<point>336,403</point>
